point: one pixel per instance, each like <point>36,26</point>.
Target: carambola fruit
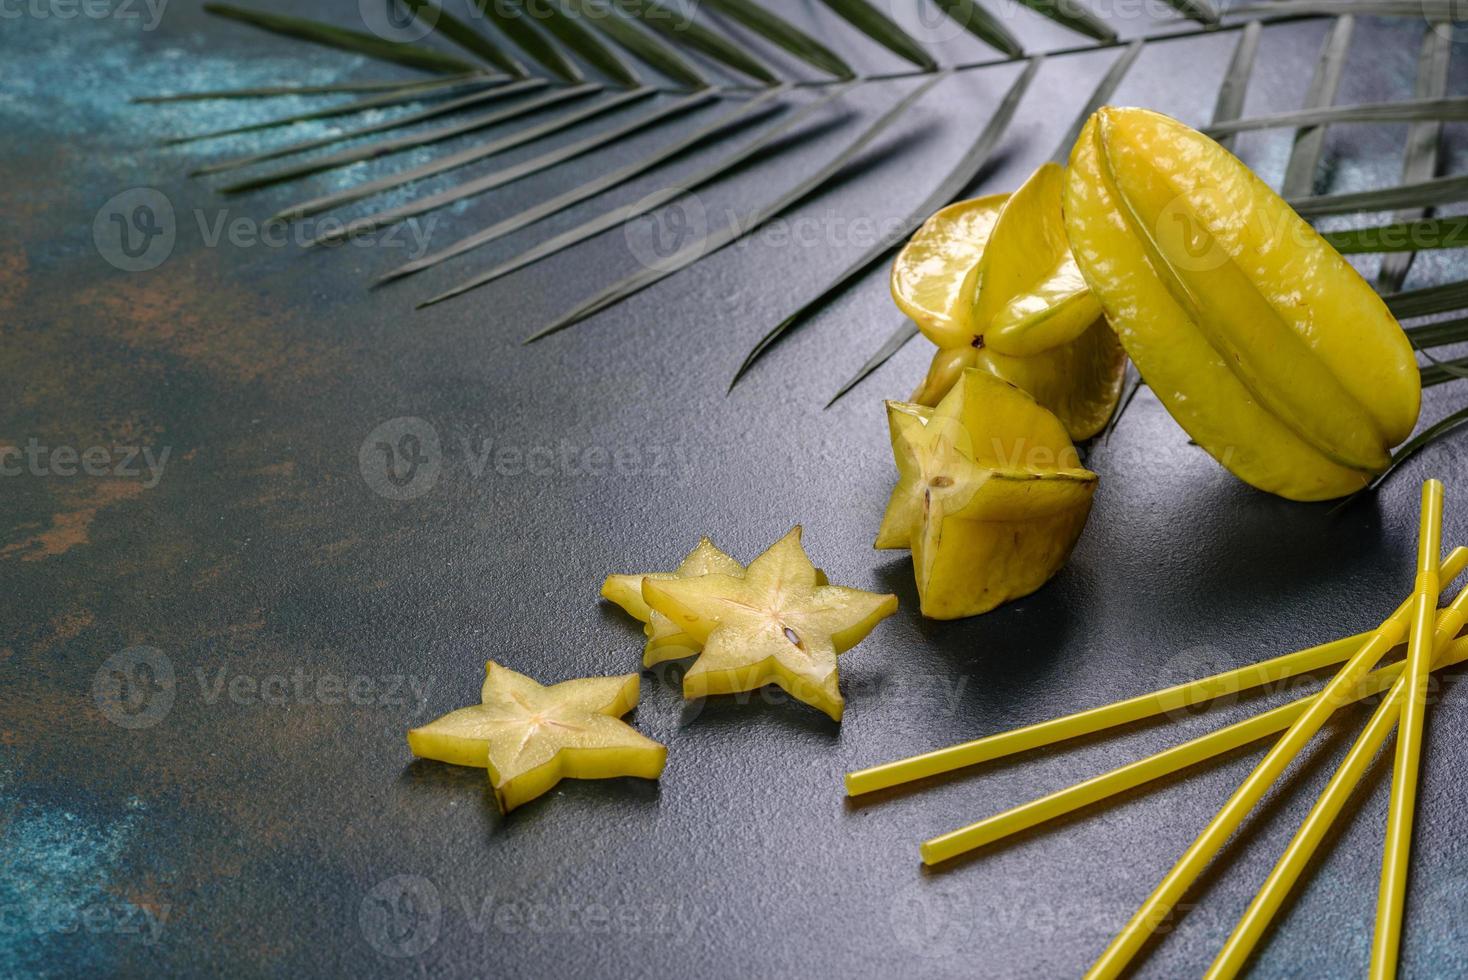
<point>1018,310</point>
<point>1264,344</point>
<point>778,623</point>
<point>530,737</point>
<point>990,497</point>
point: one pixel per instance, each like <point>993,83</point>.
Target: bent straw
<point>1255,920</point>
<point>1164,898</point>
<point>1164,763</point>
<point>1396,855</point>
<point>1122,712</point>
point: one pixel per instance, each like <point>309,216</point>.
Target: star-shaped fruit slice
<point>666,640</point>
<point>530,736</point>
<point>990,497</point>
<point>778,624</point>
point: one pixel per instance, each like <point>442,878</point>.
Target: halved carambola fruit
<point>1264,344</point>
<point>1080,381</point>
<point>991,496</point>
<point>530,736</point>
<point>1030,295</point>
<point>777,624</point>
<point>933,276</point>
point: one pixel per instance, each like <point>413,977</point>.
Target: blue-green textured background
<point>252,830</point>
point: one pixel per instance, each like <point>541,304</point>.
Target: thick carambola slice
<point>530,737</point>
<point>1262,342</point>
<point>933,276</point>
<point>990,495</point>
<point>1030,295</point>
<point>665,639</point>
<point>775,625</point>
<point>1080,382</point>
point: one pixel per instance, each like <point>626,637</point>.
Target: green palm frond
<point>510,17</point>
<point>639,44</point>
<point>583,43</point>
<point>782,33</point>
<point>882,29</point>
<point>1424,138</point>
<point>717,55</point>
<point>357,42</point>
<point>401,144</point>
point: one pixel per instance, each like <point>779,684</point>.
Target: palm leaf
<point>1439,190</point>
<point>1431,10</point>
<point>1072,14</point>
<point>905,331</point>
<point>880,28</point>
<point>740,226</point>
<point>683,29</point>
<point>510,18</point>
<point>650,202</point>
<point>982,25</point>
<point>781,32</point>
<point>1420,442</point>
<point>1412,110</point>
<point>370,45</point>
<point>508,175</point>
<point>1200,10</point>
<point>413,141</point>
<point>291,149</point>
<point>272,91</point>
<point>590,189</point>
<point>575,36</point>
<point>952,185</point>
<point>1444,371</point>
<point>1439,334</point>
<point>1099,97</point>
<point>644,46</point>
<point>1299,175</point>
<point>1401,236</point>
<point>383,101</point>
<point>463,157</point>
<point>435,18</point>
<point>1235,86</point>
<point>1426,302</point>
<point>1423,141</point>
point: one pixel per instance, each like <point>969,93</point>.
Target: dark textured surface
<point>255,830</point>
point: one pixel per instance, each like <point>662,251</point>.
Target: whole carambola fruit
<point>1263,343</point>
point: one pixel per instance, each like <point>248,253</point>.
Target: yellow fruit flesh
<point>933,276</point>
<point>1263,343</point>
<point>1080,382</point>
<point>529,737</point>
<point>775,625</point>
<point>1031,297</point>
<point>990,496</point>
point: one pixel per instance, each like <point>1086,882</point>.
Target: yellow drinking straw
<point>1122,712</point>
<point>1143,771</point>
<point>1393,891</point>
<point>1302,846</point>
<point>1169,891</point>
